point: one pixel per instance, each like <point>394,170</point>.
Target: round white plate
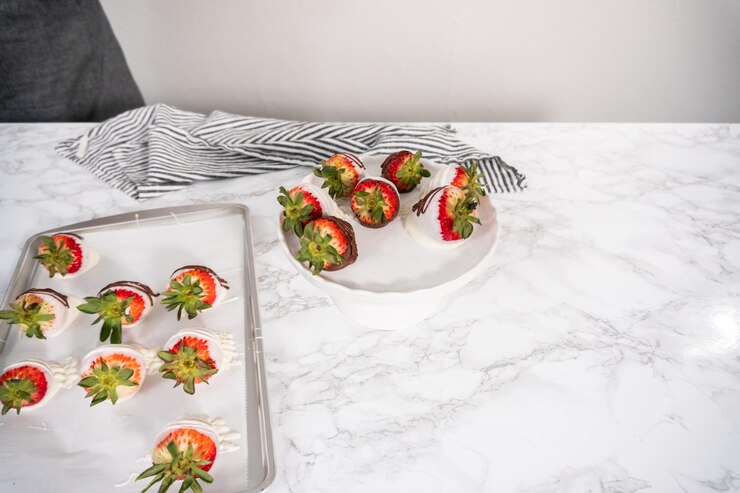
<point>390,261</point>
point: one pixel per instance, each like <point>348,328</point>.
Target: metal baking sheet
<point>67,445</point>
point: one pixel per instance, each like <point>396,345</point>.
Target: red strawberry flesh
<point>184,454</point>
<point>375,202</point>
<point>141,296</point>
<point>470,179</point>
<point>116,359</point>
<point>207,283</point>
<point>340,172</point>
<point>110,377</point>
<point>309,199</point>
<point>201,348</point>
<point>204,447</point>
<point>456,212</point>
<point>21,387</point>
<point>461,177</point>
<point>404,170</point>
<point>300,206</point>
<point>65,243</point>
<point>136,305</point>
<point>339,239</point>
<point>328,244</point>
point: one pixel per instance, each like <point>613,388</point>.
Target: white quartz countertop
<point>598,351</point>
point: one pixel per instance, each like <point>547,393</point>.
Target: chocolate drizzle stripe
<point>350,255</point>
<point>354,158</point>
<point>391,157</point>
<point>223,282</point>
<point>63,299</point>
<point>422,205</point>
<point>132,284</point>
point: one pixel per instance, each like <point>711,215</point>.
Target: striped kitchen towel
<point>149,151</point>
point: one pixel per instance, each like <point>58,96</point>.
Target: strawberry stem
<point>373,204</point>
<point>55,256</point>
<point>15,393</point>
<point>410,173</point>
<point>316,249</point>
<point>333,180</point>
<point>296,212</point>
<point>182,464</point>
<point>463,215</point>
<point>28,316</point>
<point>476,181</point>
<point>185,367</point>
<point>104,381</point>
<point>112,311</point>
<point>185,296</point>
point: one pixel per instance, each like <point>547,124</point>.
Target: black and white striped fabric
<point>153,150</point>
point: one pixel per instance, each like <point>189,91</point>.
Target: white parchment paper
<point>67,446</point>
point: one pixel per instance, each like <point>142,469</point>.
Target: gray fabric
<point>60,61</point>
<point>149,151</point>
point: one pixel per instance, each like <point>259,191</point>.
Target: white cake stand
<point>396,280</point>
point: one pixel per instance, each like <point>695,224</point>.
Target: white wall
<point>438,60</point>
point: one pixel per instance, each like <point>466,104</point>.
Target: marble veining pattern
<point>599,350</point>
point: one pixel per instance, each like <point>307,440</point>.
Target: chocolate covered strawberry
<point>304,203</point>
<point>444,216</point>
<point>142,299</point>
<point>328,244</point>
<point>404,170</point>
<point>189,358</point>
<point>469,178</point>
<point>30,384</point>
<point>22,386</point>
<point>112,373</point>
<point>192,289</point>
<point>40,313</point>
<point>340,173</point>
<point>184,453</point>
<point>300,206</point>
<point>119,304</point>
<point>65,255</point>
<point>375,202</point>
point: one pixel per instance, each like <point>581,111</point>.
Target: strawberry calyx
<point>407,173</point>
<point>112,310</point>
<point>463,216</point>
<point>371,204</point>
<point>185,296</point>
<point>183,465</point>
<point>317,250</point>
<point>297,212</point>
<point>474,181</point>
<point>56,256</point>
<point>16,393</point>
<point>332,176</point>
<point>186,367</point>
<point>27,315</point>
<point>102,384</point>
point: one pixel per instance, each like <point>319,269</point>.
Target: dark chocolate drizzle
<point>388,160</point>
<point>223,282</point>
<point>63,299</point>
<point>354,158</point>
<point>131,284</point>
<point>386,174</point>
<point>423,204</point>
<point>350,255</point>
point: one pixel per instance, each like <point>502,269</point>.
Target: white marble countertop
<point>600,350</point>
